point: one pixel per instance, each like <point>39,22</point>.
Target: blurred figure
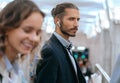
<point>86,69</point>
<point>20,32</point>
<point>57,64</point>
<point>115,77</point>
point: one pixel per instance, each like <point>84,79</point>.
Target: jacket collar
<point>65,43</point>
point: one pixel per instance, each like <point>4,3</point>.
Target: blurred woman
<point>20,32</point>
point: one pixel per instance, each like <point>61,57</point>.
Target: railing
<point>104,74</point>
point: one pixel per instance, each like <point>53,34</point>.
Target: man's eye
<point>78,19</point>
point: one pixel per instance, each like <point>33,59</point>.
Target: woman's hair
<point>59,10</point>
<point>14,13</point>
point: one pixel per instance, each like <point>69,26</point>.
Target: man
<point>57,64</point>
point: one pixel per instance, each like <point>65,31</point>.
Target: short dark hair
<point>59,10</point>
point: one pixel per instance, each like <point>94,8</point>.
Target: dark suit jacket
<point>56,66</point>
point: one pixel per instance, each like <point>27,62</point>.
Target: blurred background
<point>97,40</point>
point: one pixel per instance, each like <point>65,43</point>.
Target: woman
<point>20,32</point>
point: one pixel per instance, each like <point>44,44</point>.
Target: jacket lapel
<point>57,42</point>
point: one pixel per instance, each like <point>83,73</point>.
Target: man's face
<point>70,22</point>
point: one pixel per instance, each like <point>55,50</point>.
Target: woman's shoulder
<point>2,70</point>
<point>1,56</point>
<point>2,64</point>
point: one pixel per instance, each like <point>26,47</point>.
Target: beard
<point>66,32</point>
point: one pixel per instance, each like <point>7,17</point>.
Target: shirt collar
<point>14,66</point>
<point>64,42</point>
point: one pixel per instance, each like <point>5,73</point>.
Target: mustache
<point>74,28</point>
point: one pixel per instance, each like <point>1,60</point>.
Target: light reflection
<point>2,5</point>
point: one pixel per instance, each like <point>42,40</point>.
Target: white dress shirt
<point>11,73</point>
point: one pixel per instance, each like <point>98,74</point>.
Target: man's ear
<point>58,23</point>
<point>56,19</point>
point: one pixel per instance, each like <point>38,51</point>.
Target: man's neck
<point>66,37</point>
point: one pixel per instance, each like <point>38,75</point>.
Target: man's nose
<point>76,23</point>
